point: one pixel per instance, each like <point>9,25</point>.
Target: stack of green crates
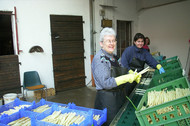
<point>171,79</point>
<point>170,60</point>
<point>173,70</point>
<point>179,116</point>
<point>169,64</point>
<point>166,77</point>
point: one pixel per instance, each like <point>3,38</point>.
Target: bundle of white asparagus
<point>65,119</point>
<point>63,106</point>
<point>96,117</point>
<point>41,109</point>
<point>159,97</point>
<point>15,109</point>
<point>24,121</point>
<point>144,71</point>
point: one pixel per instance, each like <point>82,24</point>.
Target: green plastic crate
<point>165,119</point>
<point>169,61</point>
<point>166,77</point>
<point>182,122</point>
<point>169,68</point>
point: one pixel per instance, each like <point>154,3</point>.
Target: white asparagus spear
<point>144,71</point>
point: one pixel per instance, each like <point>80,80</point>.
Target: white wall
<point>123,10</point>
<point>34,29</point>
<point>126,11</point>
<point>168,28</point>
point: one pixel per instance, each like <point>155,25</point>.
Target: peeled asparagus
<point>24,121</point>
<point>144,70</point>
<point>41,109</point>
<point>65,119</point>
<point>96,117</point>
<point>15,109</point>
<point>160,97</point>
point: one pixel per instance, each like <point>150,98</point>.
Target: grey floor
<point>84,97</point>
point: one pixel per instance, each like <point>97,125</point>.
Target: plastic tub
<point>9,97</point>
<point>12,105</point>
<point>22,113</point>
<point>102,113</point>
<point>87,122</point>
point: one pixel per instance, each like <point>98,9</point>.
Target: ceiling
<point>146,4</point>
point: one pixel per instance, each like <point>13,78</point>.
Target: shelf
<point>108,6</point>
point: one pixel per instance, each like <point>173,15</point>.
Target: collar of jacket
<point>107,54</point>
<point>139,50</point>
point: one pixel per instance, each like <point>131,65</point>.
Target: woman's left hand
<point>138,77</point>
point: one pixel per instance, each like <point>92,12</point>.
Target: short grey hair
<point>106,31</point>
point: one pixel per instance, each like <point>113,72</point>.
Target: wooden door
<point>124,38</point>
<point>68,51</point>
<point>9,64</point>
<point>9,75</point>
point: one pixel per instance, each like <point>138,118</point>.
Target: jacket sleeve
<point>102,77</point>
<point>150,60</point>
<point>125,58</point>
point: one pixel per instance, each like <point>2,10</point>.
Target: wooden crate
<point>41,93</point>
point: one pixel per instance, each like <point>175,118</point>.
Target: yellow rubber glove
<point>131,71</point>
<point>158,66</point>
<point>138,77</point>
<point>153,53</point>
<point>125,78</point>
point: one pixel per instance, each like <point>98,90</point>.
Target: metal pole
<point>18,51</point>
<point>92,35</point>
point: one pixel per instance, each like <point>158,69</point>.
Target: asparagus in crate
<point>24,121</point>
<point>159,97</point>
<point>96,117</point>
<point>64,119</point>
<point>41,109</point>
<point>14,109</point>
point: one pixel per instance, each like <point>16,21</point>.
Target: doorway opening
<point>124,37</point>
<point>6,38</point>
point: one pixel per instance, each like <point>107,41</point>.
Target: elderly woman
<point>134,57</point>
<point>109,86</point>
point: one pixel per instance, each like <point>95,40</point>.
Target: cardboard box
<point>41,93</point>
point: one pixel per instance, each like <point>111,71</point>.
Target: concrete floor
<point>84,97</point>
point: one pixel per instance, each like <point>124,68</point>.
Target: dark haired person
<point>134,58</point>
<point>147,42</point>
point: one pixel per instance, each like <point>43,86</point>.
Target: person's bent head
<point>139,40</point>
<point>108,40</point>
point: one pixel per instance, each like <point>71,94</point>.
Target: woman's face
<point>109,43</point>
<point>139,43</point>
<point>147,41</point>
